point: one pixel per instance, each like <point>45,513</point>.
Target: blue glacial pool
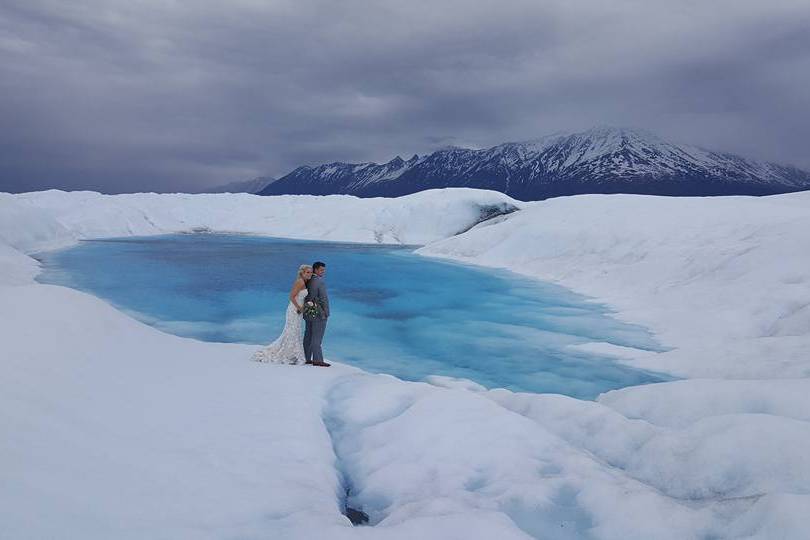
<point>392,311</point>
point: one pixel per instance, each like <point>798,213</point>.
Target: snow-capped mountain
<point>600,160</point>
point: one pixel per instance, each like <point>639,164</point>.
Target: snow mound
<point>724,281</point>
<point>416,219</point>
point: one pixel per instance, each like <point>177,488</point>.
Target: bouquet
<point>311,311</point>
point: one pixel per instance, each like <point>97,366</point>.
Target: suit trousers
<point>313,336</point>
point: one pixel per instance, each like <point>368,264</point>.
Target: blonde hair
<point>303,268</point>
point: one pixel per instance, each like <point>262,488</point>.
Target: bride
<point>289,347</point>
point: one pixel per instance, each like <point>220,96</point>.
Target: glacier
<point>111,428</point>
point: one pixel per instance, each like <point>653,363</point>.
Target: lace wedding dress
<point>289,347</point>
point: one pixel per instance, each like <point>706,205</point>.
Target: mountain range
<point>599,160</point>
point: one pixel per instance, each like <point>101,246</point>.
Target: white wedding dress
<point>289,347</point>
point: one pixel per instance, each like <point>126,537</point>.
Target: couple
<point>308,295</point>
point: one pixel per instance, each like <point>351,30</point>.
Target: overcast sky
<point>154,95</point>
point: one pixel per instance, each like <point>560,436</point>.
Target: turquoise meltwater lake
<point>392,311</point>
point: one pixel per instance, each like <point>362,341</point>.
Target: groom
<point>313,335</point>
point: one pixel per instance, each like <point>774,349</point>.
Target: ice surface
<point>112,429</point>
<point>57,219</point>
<point>716,278</point>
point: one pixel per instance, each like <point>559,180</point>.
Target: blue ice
<point>393,312</point>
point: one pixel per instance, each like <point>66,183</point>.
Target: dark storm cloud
<point>126,96</point>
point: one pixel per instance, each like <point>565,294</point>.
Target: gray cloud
<point>133,96</point>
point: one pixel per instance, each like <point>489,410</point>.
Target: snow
<point>112,429</point>
<point>46,220</point>
<point>724,281</point>
<point>115,430</point>
<point>700,398</point>
<point>648,154</point>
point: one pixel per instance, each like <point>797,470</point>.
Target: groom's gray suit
<point>313,335</point>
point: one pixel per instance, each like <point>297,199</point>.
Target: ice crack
<point>335,427</point>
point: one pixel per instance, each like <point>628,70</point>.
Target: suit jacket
<point>316,292</point>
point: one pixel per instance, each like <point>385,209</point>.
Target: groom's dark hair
<point>318,264</point>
